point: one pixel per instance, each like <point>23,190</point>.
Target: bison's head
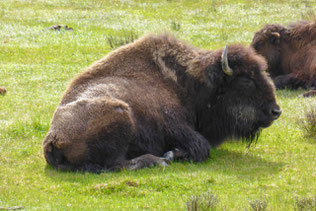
<point>244,100</point>
<point>267,42</point>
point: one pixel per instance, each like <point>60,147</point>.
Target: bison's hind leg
<point>89,135</point>
<point>57,154</point>
<point>92,168</point>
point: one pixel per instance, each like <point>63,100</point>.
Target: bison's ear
<point>274,37</point>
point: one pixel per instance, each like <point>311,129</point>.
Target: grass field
<point>37,64</point>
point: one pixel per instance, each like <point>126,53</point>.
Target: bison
<point>158,99</point>
<point>290,52</point>
<point>2,90</point>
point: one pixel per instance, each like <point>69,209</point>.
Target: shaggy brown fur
<point>2,90</point>
<point>158,97</point>
<point>290,52</point>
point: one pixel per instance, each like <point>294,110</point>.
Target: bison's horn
<point>225,67</point>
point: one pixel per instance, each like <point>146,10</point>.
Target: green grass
<point>37,64</point>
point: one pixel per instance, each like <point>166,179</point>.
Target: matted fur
<point>155,96</point>
<point>290,52</point>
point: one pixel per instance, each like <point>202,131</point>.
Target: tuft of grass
<point>258,205</point>
<point>304,203</point>
<point>309,122</point>
<point>202,202</point>
<point>124,38</point>
<point>213,6</point>
<point>309,14</point>
<point>175,26</point>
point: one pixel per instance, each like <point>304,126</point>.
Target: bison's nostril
<point>276,113</point>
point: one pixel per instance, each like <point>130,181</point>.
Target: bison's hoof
<point>169,156</point>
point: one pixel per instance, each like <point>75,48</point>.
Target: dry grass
<point>308,204</point>
<point>309,122</point>
<point>258,205</point>
<point>118,40</point>
<point>203,202</point>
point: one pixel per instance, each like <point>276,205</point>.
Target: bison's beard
<point>221,123</point>
<point>249,135</point>
<point>246,126</point>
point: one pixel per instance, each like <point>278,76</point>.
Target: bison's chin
<point>265,124</point>
<point>248,134</point>
<point>249,121</point>
<point>251,132</point>
<point>265,120</point>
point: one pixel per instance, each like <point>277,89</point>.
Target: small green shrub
<point>206,201</point>
<point>175,26</point>
<point>305,204</point>
<point>258,205</point>
<point>309,122</point>
<point>118,40</point>
<point>309,14</point>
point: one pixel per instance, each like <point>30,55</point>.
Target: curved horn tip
<point>225,67</point>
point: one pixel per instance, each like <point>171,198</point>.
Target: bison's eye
<point>246,84</point>
<point>258,44</point>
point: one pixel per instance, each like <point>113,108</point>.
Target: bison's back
<point>303,63</point>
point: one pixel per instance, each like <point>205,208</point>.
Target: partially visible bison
<point>290,52</point>
<point>2,90</point>
<point>156,100</point>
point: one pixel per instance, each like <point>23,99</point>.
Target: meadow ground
<point>36,64</point>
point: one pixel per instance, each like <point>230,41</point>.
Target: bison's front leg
<point>288,81</point>
<point>188,145</point>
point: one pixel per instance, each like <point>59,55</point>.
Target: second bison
<point>290,52</point>
<point>159,99</point>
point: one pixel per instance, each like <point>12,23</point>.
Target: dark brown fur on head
<point>159,95</point>
<point>290,52</point>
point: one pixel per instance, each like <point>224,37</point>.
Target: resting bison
<point>290,52</point>
<point>2,90</point>
<point>158,99</point>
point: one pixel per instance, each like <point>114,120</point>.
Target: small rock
<point>55,27</point>
<point>59,27</point>
<point>68,28</point>
<point>2,90</point>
